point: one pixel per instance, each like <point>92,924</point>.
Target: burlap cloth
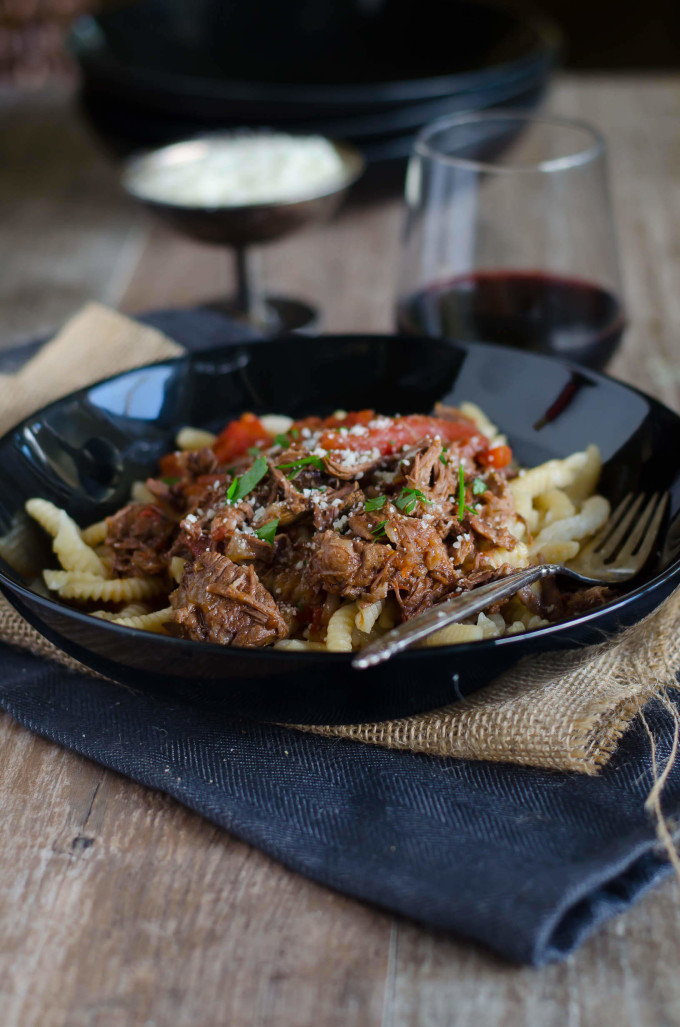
<point>560,713</point>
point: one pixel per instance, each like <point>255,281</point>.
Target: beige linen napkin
<point>559,712</point>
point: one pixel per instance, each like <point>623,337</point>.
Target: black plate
<point>128,421</point>
<point>187,58</point>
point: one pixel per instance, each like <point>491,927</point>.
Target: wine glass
<point>509,236</point>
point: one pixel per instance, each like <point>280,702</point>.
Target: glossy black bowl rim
<point>544,51</point>
<point>671,574</point>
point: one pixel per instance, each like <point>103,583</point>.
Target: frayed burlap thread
<point>566,711</point>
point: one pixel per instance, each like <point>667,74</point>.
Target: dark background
<point>616,33</point>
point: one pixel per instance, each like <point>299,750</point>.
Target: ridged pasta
<point>557,552</point>
<point>299,645</point>
<point>554,505</point>
<point>592,516</point>
<point>552,474</point>
<point>129,610</point>
<point>339,631</point>
<point>485,425</point>
<point>95,534</point>
<point>141,493</point>
<point>148,621</point>
<point>454,634</point>
<point>177,565</point>
<point>189,439</point>
<point>73,554</point>
<point>367,616</point>
<point>72,585</point>
<point>45,513</point>
<point>134,610</point>
<point>276,424</point>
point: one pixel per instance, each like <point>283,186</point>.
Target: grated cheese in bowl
<point>241,170</point>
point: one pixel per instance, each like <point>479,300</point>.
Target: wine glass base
<point>282,315</point>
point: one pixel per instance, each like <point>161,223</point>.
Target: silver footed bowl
<point>236,226</point>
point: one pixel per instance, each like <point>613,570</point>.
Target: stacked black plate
<point>369,72</point>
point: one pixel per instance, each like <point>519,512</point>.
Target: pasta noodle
<point>553,474</point>
<point>299,645</point>
<point>73,585</point>
<point>592,516</point>
<point>339,631</point>
<point>487,427</point>
<point>454,634</point>
<point>367,616</point>
<point>189,439</point>
<point>141,493</point>
<point>73,554</point>
<point>95,534</point>
<point>276,424</point>
<point>45,513</point>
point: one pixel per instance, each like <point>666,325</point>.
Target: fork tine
<point>645,531</point>
<point>605,543</point>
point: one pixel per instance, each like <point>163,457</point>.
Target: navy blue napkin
<point>527,862</point>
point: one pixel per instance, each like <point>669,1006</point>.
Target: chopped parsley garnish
<point>408,498</point>
<point>478,487</point>
<point>282,440</point>
<point>268,531</point>
<point>170,481</point>
<point>294,433</point>
<point>379,529</point>
<point>240,487</point>
<point>463,508</point>
<point>443,457</point>
<point>296,465</point>
<point>375,504</point>
<point>254,451</point>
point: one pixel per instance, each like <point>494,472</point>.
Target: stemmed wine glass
<point>510,238</point>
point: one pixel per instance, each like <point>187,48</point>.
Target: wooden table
<point>118,906</point>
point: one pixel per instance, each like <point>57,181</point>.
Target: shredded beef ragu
<point>365,507</point>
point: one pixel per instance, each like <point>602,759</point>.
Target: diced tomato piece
<point>239,436</point>
<point>497,457</point>
<point>402,431</point>
<point>350,419</point>
<point>346,421</point>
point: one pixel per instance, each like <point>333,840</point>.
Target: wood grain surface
<point>117,906</point>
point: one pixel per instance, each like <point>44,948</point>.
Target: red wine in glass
<point>509,236</point>
<point>532,310</point>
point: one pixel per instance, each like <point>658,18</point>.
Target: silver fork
<point>616,554</point>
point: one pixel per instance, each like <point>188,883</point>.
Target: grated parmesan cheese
<point>241,169</point>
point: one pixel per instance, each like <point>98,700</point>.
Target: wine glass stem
<point>250,300</point>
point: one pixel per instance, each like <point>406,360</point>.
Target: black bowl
<point>257,61</point>
<point>125,126</point>
<point>83,452</point>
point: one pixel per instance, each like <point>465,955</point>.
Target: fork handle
<point>448,612</point>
